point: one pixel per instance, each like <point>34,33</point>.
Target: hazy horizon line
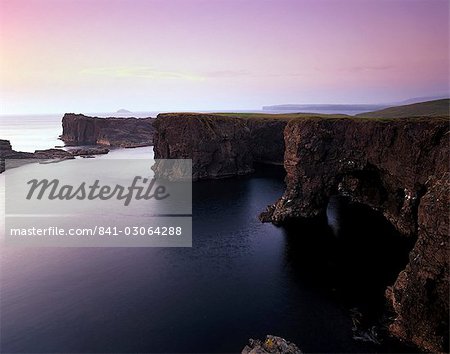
<point>261,108</point>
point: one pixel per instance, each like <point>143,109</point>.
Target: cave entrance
<point>352,253</point>
<point>370,252</point>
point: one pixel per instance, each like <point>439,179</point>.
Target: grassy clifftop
<point>253,116</point>
<point>436,109</point>
<point>423,109</point>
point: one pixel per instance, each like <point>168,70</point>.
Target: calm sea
<point>241,279</point>
<point>35,132</point>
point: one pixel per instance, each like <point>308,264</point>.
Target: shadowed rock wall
<point>400,168</point>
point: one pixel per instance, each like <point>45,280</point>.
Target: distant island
<point>122,110</point>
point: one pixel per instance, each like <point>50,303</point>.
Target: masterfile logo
<point>140,188</point>
<point>102,203</point>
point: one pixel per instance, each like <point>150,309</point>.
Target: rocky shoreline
<point>401,171</point>
<point>6,152</point>
<point>398,167</point>
<point>395,166</point>
<point>88,136</point>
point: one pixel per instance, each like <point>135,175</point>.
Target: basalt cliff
<point>219,145</point>
<point>398,167</point>
<point>79,129</point>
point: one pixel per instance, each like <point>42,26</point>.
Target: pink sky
<point>102,55</point>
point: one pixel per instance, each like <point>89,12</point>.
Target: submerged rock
<point>271,345</point>
<point>89,151</point>
<point>53,154</point>
<point>360,333</point>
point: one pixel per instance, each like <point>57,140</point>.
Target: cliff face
<point>79,129</point>
<point>267,139</point>
<point>219,146</point>
<point>5,145</point>
<point>384,164</point>
<point>420,295</point>
<point>398,167</point>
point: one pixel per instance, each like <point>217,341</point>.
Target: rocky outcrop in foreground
<point>271,345</point>
<point>79,129</point>
<point>400,168</point>
<point>220,146</point>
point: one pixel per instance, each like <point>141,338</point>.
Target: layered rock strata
<point>79,129</point>
<point>400,168</point>
<point>220,146</point>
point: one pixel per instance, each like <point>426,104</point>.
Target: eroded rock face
<point>267,140</point>
<point>219,146</point>
<point>79,129</point>
<point>398,167</point>
<point>383,164</point>
<point>5,145</point>
<point>271,345</point>
<point>420,294</point>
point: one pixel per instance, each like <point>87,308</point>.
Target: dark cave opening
<point>351,253</point>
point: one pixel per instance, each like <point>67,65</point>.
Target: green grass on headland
<point>288,116</point>
<point>436,108</point>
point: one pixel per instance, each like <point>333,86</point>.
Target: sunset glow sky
<point>102,55</point>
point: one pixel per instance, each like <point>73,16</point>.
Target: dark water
<point>240,280</point>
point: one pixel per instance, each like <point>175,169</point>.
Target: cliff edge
<point>400,168</point>
<point>79,129</point>
<point>219,145</point>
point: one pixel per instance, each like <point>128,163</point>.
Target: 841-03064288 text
<point>100,231</point>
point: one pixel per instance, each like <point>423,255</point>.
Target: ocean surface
<point>241,279</point>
